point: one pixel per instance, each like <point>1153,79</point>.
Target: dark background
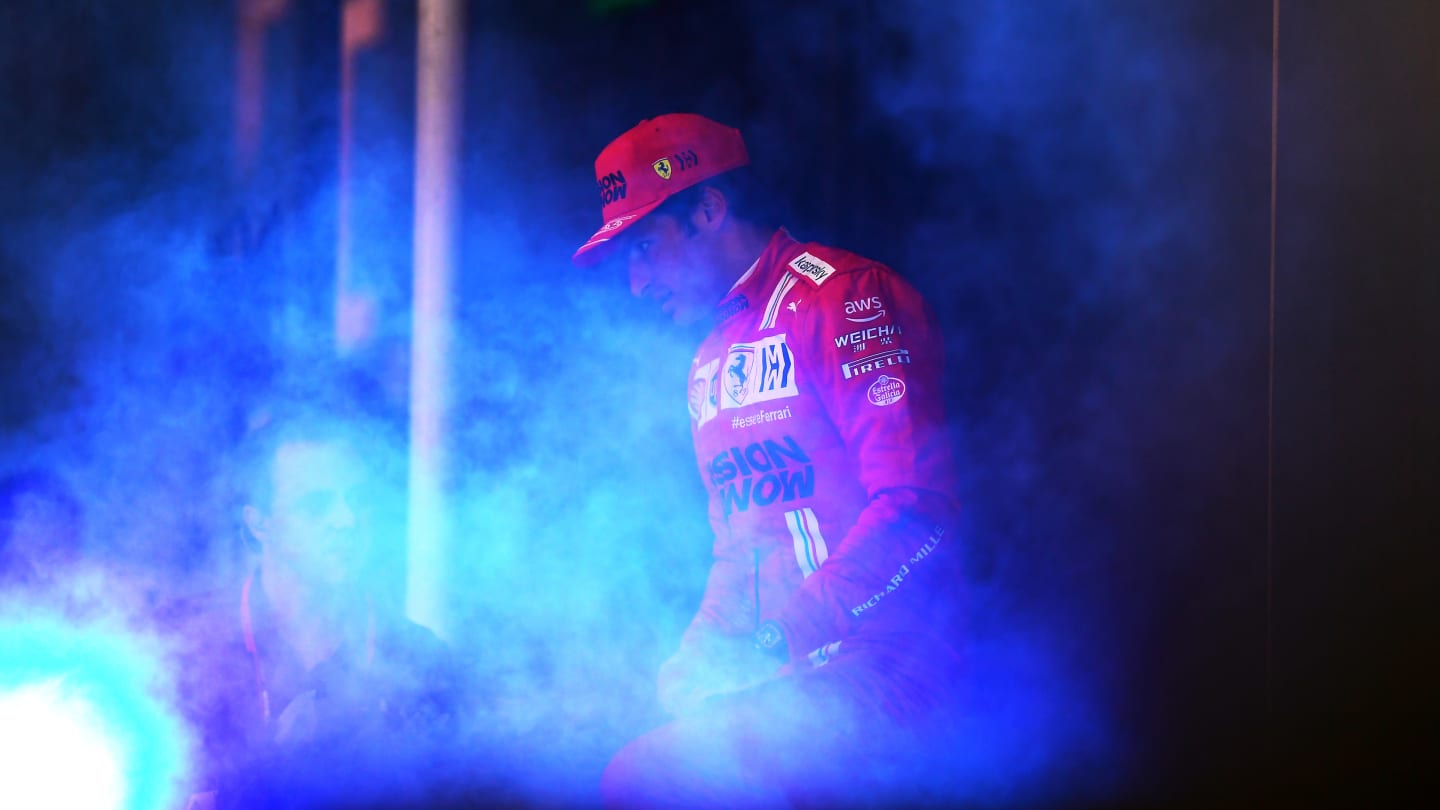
<point>1083,191</point>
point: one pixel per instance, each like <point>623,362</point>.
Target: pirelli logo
<point>865,365</point>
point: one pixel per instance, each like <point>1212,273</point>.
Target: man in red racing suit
<point>826,637</point>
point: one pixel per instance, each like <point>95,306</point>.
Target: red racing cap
<point>657,158</point>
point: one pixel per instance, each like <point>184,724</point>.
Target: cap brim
<point>599,246</point>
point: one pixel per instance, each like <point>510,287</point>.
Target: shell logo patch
<point>662,168</point>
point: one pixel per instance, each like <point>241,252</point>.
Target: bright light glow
<point>438,113</point>
<point>86,718</point>
<point>55,752</point>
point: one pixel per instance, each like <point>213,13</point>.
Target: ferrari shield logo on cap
<point>662,168</point>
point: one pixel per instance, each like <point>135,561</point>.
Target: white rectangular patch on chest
<point>811,268</point>
<point>760,371</point>
<point>703,392</point>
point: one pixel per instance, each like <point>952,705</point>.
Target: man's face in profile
<point>673,267</point>
<point>319,521</point>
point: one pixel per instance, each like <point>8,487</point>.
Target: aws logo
<point>865,310</point>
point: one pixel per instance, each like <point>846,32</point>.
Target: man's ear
<point>712,210</point>
<point>255,523</point>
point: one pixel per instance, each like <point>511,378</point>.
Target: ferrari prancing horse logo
<point>662,168</point>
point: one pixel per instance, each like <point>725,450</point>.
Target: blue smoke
<point>1024,147</point>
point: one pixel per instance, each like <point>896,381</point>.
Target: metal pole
<point>253,20</point>
<point>439,60</point>
<point>362,26</point>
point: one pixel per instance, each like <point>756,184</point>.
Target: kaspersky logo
<point>811,267</point>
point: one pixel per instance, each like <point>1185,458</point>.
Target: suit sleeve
<point>872,349</point>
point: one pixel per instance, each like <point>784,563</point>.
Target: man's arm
<point>872,349</point>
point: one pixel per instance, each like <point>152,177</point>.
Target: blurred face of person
<point>318,523</point>
<point>677,263</point>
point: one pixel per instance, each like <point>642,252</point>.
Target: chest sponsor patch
<point>704,392</point>
<point>811,268</point>
<point>757,372</point>
<point>865,365</point>
<point>886,390</point>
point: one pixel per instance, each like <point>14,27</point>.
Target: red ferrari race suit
<point>817,412</point>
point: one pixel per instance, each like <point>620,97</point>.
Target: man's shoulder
<point>817,263</point>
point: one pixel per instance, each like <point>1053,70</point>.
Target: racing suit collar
<point>781,242</point>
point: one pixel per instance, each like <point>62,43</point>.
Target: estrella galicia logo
<point>762,473</point>
<point>886,390</point>
<point>738,366</point>
<point>759,372</point>
<point>612,187</point>
<point>662,168</point>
